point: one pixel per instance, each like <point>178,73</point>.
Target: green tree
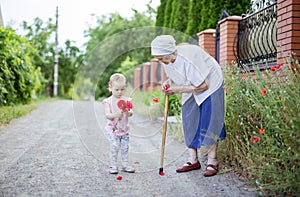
<point>18,77</point>
<point>168,13</point>
<point>237,7</point>
<point>215,11</point>
<point>194,18</point>
<point>108,47</point>
<point>69,61</point>
<point>160,13</point>
<point>180,15</point>
<point>198,16</point>
<point>204,14</point>
<point>41,35</point>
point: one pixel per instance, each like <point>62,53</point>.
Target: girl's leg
<point>114,149</point>
<point>124,154</point>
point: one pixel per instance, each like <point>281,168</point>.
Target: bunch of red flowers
<point>125,106</point>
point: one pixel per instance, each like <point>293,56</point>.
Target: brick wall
<point>207,41</point>
<point>228,39</point>
<point>288,28</point>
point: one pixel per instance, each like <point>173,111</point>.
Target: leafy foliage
<point>69,60</point>
<point>40,34</point>
<point>193,16</point>
<point>18,77</point>
<point>108,48</point>
<point>262,118</point>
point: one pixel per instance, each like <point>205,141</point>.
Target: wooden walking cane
<point>163,139</point>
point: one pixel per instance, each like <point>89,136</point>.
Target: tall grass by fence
<point>262,118</point>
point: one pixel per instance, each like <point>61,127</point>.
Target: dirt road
<point>60,149</point>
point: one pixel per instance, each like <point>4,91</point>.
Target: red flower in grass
<point>261,131</point>
<point>155,100</point>
<point>272,68</point>
<point>255,139</point>
<point>278,66</point>
<point>264,91</point>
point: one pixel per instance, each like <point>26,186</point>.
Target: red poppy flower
<point>119,178</point>
<point>155,100</point>
<point>272,68</point>
<point>167,86</point>
<point>278,66</point>
<point>255,139</point>
<point>261,131</point>
<point>129,105</point>
<point>122,105</point>
<point>264,91</point>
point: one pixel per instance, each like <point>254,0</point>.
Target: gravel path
<point>60,149</point>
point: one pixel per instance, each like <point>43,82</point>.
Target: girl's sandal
<point>211,172</point>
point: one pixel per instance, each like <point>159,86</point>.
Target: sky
<point>74,15</point>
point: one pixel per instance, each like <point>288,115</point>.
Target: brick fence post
<point>146,76</point>
<point>228,39</point>
<point>288,29</point>
<point>207,41</point>
<point>153,74</point>
<point>137,79</point>
<point>163,74</point>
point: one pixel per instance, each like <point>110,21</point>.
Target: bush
<point>262,119</point>
<point>18,78</point>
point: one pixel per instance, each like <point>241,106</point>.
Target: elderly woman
<point>198,77</point>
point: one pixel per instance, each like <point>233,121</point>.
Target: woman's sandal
<point>189,166</point>
<point>209,172</point>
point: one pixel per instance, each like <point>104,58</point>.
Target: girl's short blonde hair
<point>117,77</point>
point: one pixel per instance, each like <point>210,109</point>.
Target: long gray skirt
<point>204,125</point>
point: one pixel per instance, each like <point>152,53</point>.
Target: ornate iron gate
<point>257,36</point>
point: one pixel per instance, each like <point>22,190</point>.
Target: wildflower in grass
<point>255,139</point>
<point>155,100</point>
<point>278,66</point>
<point>264,91</point>
<point>272,68</point>
<point>261,131</point>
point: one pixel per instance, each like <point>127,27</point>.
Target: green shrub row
<point>18,77</point>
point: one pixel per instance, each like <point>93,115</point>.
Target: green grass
<point>262,119</point>
<point>7,113</point>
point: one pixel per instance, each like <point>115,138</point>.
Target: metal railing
<point>257,38</point>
